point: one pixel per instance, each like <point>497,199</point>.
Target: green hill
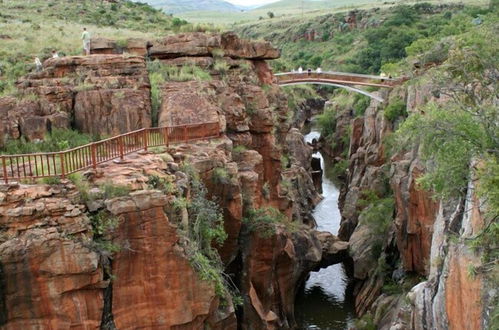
<point>34,28</point>
<point>376,38</point>
<point>182,6</point>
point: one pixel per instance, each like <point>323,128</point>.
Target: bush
<point>57,140</point>
<point>361,102</point>
<point>221,66</point>
<point>156,182</point>
<point>395,110</point>
<point>110,190</point>
<point>378,212</point>
<point>263,221</point>
<point>220,176</point>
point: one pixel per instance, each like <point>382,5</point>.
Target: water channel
<point>326,300</point>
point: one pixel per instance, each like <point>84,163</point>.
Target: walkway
<point>63,163</point>
<point>338,79</point>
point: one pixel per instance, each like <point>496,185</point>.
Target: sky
<point>250,2</point>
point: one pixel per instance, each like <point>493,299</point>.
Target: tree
<point>453,134</point>
<point>270,14</point>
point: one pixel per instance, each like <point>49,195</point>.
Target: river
<point>326,300</point>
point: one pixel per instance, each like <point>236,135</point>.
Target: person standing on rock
<point>85,36</point>
<point>54,54</point>
<point>38,64</point>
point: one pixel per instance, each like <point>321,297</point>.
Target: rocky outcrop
<point>149,281</point>
<point>49,278</point>
<point>423,247</point>
<point>74,91</point>
<point>202,44</point>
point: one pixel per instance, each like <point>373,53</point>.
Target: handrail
<point>359,75</point>
<point>66,162</point>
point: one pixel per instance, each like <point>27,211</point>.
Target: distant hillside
<point>183,6</point>
<point>35,28</point>
<point>307,4</point>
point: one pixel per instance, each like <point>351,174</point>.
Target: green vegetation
<point>377,211</point>
<point>395,110</point>
<point>35,28</point>
<point>392,34</point>
<point>465,128</point>
<point>264,221</point>
<point>206,229</point>
<point>166,186</point>
<point>297,95</point>
<point>220,176</point>
<point>56,140</point>
<point>103,224</point>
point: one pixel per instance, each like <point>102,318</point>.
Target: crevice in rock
<point>3,305</point>
<point>107,322</point>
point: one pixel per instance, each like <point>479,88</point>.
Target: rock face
<point>202,44</point>
<point>426,237</point>
<point>49,280</point>
<point>150,281</point>
<point>74,92</point>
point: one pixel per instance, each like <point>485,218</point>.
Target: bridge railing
<point>63,163</point>
<point>338,77</point>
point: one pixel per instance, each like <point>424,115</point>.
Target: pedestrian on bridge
<point>319,70</point>
<point>309,71</point>
<point>300,70</point>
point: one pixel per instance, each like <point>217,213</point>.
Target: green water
<point>326,300</point>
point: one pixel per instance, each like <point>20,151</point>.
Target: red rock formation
<point>155,286</point>
<point>112,88</point>
<point>49,279</point>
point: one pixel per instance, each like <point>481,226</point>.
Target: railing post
<point>63,170</point>
<point>94,156</point>
<point>121,148</point>
<point>165,133</point>
<point>4,166</point>
<point>144,136</point>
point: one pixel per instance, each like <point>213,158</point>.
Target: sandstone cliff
<point>112,248</point>
<point>415,273</point>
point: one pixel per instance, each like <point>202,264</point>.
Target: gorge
<point>238,229</point>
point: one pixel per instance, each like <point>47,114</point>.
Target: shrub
<point>221,66</point>
<point>156,182</point>
<point>378,212</point>
<point>327,122</point>
<point>220,176</point>
<point>361,102</point>
<point>110,190</point>
<point>57,140</point>
<point>395,110</point>
<point>51,181</point>
<point>264,220</point>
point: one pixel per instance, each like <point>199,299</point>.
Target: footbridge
<point>350,81</point>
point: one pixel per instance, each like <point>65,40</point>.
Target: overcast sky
<point>251,2</point>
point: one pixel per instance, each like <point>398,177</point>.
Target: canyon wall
<point>110,248</point>
<point>423,254</point>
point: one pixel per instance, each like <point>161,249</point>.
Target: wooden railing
<point>60,164</point>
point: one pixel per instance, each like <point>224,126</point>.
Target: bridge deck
<point>339,78</point>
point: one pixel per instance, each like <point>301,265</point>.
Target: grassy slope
<point>354,50</point>
<point>34,28</point>
<point>179,6</point>
<point>286,9</point>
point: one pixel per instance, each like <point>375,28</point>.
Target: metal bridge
<point>350,81</point>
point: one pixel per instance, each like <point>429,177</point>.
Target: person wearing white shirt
<point>85,36</point>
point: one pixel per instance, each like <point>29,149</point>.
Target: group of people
<point>85,37</point>
<point>309,71</point>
